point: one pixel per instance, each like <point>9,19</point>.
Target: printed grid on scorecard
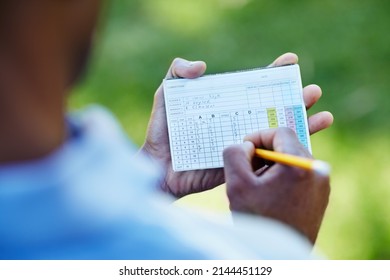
<point>209,113</point>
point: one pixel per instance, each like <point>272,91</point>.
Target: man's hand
<point>289,194</point>
<point>157,142</point>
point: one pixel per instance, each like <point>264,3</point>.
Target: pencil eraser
<point>322,167</point>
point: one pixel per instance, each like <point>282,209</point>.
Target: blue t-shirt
<point>96,198</point>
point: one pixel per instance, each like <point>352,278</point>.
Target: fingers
<point>237,164</point>
<point>286,141</point>
<point>181,68</point>
<point>311,94</point>
<point>262,139</point>
<point>320,121</point>
<point>284,59</point>
<point>282,140</point>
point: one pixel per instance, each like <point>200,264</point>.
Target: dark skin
<point>157,141</point>
<point>289,194</point>
<point>43,47</point>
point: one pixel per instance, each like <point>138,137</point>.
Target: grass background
<point>343,46</point>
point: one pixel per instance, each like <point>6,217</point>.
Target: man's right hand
<point>289,194</point>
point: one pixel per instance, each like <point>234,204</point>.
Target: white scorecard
<point>209,113</point>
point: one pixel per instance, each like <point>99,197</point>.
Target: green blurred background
<point>343,46</point>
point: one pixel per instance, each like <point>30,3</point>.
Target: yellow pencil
<point>305,163</point>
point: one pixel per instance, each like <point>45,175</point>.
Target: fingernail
<point>192,63</point>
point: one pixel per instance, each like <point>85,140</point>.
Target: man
<point>73,187</point>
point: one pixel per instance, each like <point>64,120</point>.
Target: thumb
<point>182,68</point>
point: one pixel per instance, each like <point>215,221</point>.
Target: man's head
<point>55,34</point>
<point>44,45</point>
